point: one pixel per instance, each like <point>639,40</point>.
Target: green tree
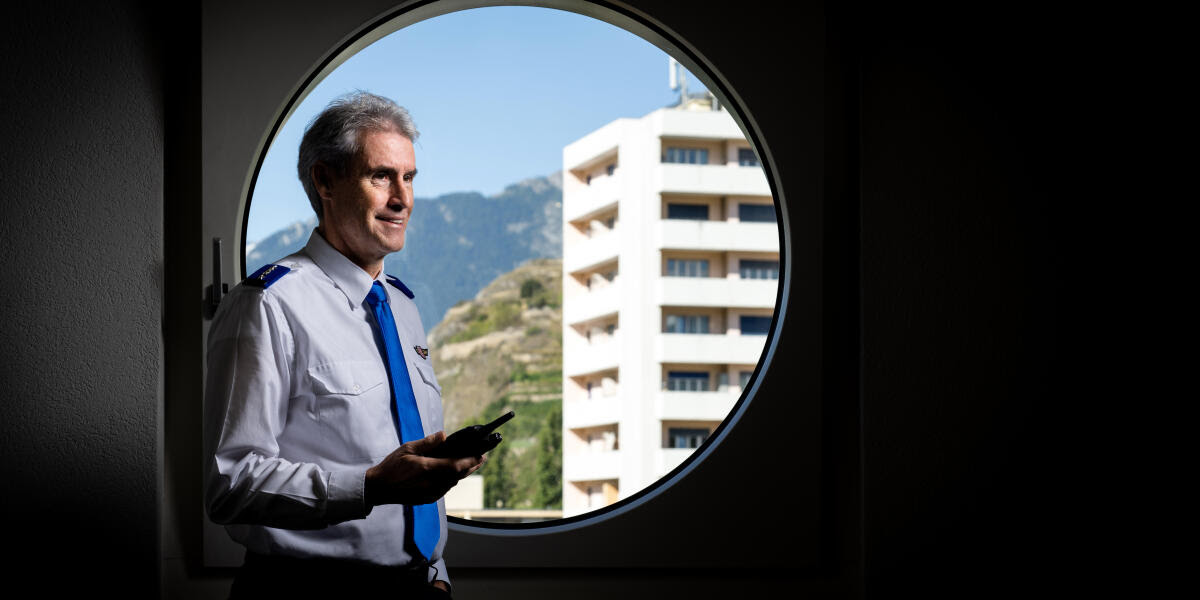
<point>525,470</point>
<point>497,484</point>
<point>529,287</point>
<point>549,460</point>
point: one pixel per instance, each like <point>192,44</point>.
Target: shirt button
<point>356,387</point>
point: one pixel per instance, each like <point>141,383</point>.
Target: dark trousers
<point>264,577</point>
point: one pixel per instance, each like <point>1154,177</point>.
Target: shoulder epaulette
<point>267,275</point>
<point>400,286</point>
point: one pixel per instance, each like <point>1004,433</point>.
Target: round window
<point>593,246</point>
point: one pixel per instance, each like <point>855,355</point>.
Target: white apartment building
<point>670,272</point>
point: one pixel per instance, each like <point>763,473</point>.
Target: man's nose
<point>402,194</point>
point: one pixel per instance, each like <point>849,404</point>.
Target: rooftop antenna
<point>678,80</point>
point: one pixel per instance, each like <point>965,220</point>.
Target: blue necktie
<point>425,526</point>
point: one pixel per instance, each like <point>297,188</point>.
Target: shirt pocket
<point>426,373</point>
<point>429,397</point>
<point>354,409</point>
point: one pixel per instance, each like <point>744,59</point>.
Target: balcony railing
<point>678,234</point>
<point>716,291</point>
<point>592,466</point>
<point>591,252</point>
<point>717,125</point>
<point>592,304</point>
<point>708,348</point>
<point>587,201</point>
<point>666,459</point>
<point>724,180</point>
<point>694,406</point>
<point>591,412</point>
<point>582,358</point>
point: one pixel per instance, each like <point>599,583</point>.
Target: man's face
<point>367,211</point>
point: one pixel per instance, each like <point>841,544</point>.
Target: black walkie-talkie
<point>473,440</point>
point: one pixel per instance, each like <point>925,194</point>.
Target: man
<point>318,369</point>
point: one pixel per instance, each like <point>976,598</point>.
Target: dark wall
<point>961,120</point>
<point>944,132</point>
<point>81,116</point>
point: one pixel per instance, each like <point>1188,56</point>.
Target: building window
<point>744,378</point>
<point>686,438</point>
<point>687,324</point>
<point>756,213</point>
<point>691,212</point>
<point>687,381</point>
<point>610,222</point>
<point>758,269</point>
<point>611,328</point>
<point>588,180</point>
<point>754,325</point>
<point>595,495</point>
<point>687,268</point>
<point>691,156</point>
<point>747,158</point>
<point>610,168</point>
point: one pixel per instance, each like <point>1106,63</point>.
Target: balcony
<point>592,466</point>
<point>716,125</point>
<point>593,304</point>
<point>583,358</point>
<point>666,459</point>
<point>694,406</point>
<point>585,202</point>
<point>708,348</point>
<point>720,180</point>
<point>598,146</point>
<point>591,252</point>
<point>720,236</point>
<point>716,292</point>
<point>600,410</point>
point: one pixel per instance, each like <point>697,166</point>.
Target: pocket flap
<point>347,378</point>
<point>426,372</point>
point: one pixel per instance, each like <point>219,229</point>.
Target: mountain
<point>457,242</point>
<point>279,244</point>
<point>505,343</point>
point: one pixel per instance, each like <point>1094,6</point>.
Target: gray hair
<point>335,136</point>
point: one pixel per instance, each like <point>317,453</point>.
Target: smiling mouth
<point>397,222</point>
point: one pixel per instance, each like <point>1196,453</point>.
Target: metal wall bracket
<point>217,290</point>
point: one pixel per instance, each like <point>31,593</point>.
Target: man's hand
<point>407,476</point>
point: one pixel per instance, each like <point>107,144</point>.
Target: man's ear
<point>322,178</point>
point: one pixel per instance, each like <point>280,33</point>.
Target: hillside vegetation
<point>502,350</point>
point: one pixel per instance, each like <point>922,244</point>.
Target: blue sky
<point>495,92</point>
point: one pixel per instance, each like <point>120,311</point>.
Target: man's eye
<point>380,175</point>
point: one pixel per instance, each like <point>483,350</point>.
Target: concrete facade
<point>630,271</point>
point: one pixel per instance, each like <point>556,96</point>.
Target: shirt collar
<point>348,277</point>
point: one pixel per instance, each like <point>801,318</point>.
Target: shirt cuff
<point>438,570</point>
<point>347,496</point>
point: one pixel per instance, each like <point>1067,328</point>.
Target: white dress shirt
<point>298,407</point>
